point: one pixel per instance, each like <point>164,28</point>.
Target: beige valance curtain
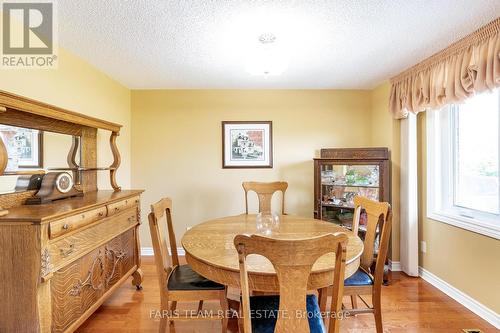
<point>466,67</point>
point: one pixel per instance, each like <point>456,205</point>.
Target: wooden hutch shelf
<point>20,111</point>
<point>82,169</point>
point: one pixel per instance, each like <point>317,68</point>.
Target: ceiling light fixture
<point>267,38</point>
<point>268,57</point>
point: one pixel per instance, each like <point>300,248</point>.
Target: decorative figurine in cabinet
<point>341,174</point>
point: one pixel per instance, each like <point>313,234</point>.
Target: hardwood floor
<point>409,305</point>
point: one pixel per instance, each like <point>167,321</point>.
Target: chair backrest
<point>160,225</point>
<point>292,261</point>
<point>379,219</point>
<point>265,193</point>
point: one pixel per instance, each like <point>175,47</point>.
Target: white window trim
<point>408,241</point>
<point>434,185</point>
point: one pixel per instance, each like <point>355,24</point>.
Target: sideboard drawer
<point>79,285</point>
<point>120,206</point>
<point>63,226</point>
<point>72,246</point>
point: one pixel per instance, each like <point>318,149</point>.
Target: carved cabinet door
<point>80,284</point>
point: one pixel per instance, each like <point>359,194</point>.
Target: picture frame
<point>247,144</point>
<point>25,145</point>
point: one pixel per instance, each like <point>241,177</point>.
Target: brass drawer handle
<point>117,209</point>
<point>66,226</point>
<point>68,251</point>
<point>101,214</point>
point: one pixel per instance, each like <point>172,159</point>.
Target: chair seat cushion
<point>184,278</point>
<point>360,278</point>
<point>264,311</point>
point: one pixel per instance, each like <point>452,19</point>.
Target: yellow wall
<point>466,260</point>
<point>177,152</point>
<point>77,86</point>
<point>177,145</point>
<point>385,133</point>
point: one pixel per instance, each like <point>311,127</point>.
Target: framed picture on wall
<point>247,144</point>
<point>24,147</point>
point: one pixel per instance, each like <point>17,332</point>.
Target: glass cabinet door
<point>340,183</point>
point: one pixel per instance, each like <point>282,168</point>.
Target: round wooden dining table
<point>211,253</point>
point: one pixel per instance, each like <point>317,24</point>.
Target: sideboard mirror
<point>33,152</point>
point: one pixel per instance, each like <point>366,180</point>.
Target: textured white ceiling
<point>204,44</point>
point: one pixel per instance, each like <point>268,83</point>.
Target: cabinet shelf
<point>26,172</point>
<point>353,185</point>
<point>82,169</point>
<point>324,204</point>
<point>42,172</point>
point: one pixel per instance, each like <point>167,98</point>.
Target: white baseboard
<point>395,266</point>
<point>481,310</point>
<point>148,251</point>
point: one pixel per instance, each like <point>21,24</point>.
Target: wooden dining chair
<point>368,278</point>
<point>265,193</point>
<point>293,260</point>
<point>179,282</point>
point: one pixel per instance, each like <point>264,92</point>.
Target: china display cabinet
<point>341,174</point>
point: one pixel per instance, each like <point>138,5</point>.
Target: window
<point>463,142</point>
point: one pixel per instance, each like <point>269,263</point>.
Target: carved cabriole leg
<point>116,161</point>
<point>4,158</point>
<point>137,278</point>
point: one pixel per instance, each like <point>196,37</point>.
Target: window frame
<point>441,157</point>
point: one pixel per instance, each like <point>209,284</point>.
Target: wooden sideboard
<point>60,261</point>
